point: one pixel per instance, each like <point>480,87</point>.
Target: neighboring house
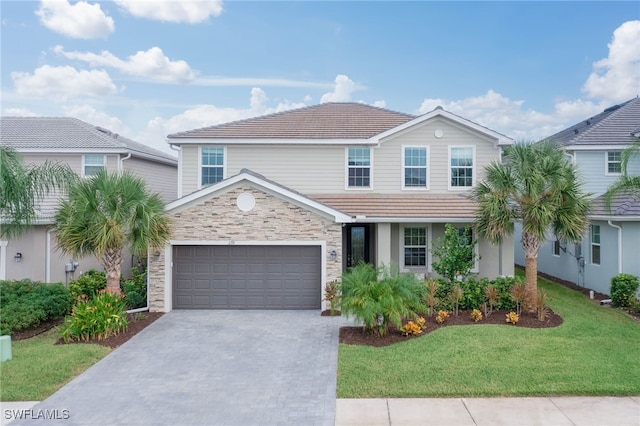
<point>612,242</point>
<point>272,208</point>
<point>86,149</point>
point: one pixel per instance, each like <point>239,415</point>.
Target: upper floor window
<point>614,162</point>
<point>415,246</point>
<point>93,163</point>
<point>359,167</point>
<point>212,164</point>
<point>595,244</point>
<point>415,167</point>
<point>461,167</point>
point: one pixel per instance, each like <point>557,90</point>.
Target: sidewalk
<point>556,411</point>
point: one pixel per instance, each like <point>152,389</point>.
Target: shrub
<point>442,316</point>
<point>455,254</point>
<point>541,308</point>
<point>503,286</point>
<point>456,294</point>
<point>135,291</point>
<point>380,302</point>
<point>476,315</point>
<point>491,294</point>
<point>431,298</point>
<point>414,327</point>
<point>88,284</point>
<point>96,318</point>
<point>27,304</point>
<point>623,289</point>
<point>518,294</point>
<point>332,295</point>
<point>513,318</point>
<point>473,293</point>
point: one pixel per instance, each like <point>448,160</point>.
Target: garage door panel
<point>247,277</point>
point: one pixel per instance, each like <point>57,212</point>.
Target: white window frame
<point>593,244</point>
<point>85,164</point>
<point>427,247</point>
<point>200,166</point>
<point>607,162</point>
<point>473,168</point>
<point>476,249</point>
<point>404,168</point>
<point>347,167</point>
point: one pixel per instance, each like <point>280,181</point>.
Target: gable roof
<point>616,125</point>
<point>68,134</point>
<point>333,120</point>
<point>265,185</point>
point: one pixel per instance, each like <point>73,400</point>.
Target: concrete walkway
<point>556,411</point>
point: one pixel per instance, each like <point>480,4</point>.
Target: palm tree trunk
<point>112,262</point>
<point>530,244</point>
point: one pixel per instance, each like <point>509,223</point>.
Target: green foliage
<point>98,318</point>
<point>27,304</point>
<point>135,290</point>
<point>455,254</point>
<point>623,289</point>
<point>378,302</point>
<point>473,293</point>
<point>88,284</point>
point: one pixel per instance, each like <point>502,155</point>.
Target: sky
<point>146,69</point>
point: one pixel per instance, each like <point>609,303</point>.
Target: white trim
<point>84,163</point>
<point>268,141</point>
<point>606,163</point>
<point>473,169</point>
<point>499,139</point>
<point>616,218</point>
<point>3,259</point>
<point>346,171</point>
<point>428,247</point>
<point>373,219</point>
<point>591,244</point>
<point>224,163</point>
<point>403,167</point>
<point>277,190</point>
<point>168,255</point>
<point>617,147</point>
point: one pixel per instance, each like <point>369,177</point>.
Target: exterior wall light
<point>333,255</point>
<point>18,257</point>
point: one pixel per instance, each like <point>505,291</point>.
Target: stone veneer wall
<point>272,219</point>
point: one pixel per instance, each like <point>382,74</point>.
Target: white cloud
<point>91,115</point>
<point>380,104</point>
<point>63,82</point>
<point>342,91</point>
<point>19,112</point>
<point>80,20</point>
<point>616,78</point>
<point>152,64</point>
<point>187,11</point>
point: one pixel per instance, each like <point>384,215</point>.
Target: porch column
<point>383,244</point>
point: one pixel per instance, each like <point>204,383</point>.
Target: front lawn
<point>594,352</point>
<point>38,367</point>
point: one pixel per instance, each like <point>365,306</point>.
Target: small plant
<point>332,295</point>
<point>442,316</point>
<point>140,316</point>
<point>421,322</point>
<point>513,318</point>
<point>431,299</point>
<point>411,328</point>
<point>97,318</point>
<point>518,294</point>
<point>135,290</point>
<point>491,294</point>
<point>541,308</point>
<point>88,284</point>
<point>476,315</point>
<point>455,296</point>
<point>623,289</point>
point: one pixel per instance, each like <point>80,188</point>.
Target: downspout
<point>121,163</point>
<point>47,258</point>
<point>619,228</point>
<point>179,151</point>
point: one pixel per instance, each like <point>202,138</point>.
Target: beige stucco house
<point>86,149</point>
<point>272,208</point>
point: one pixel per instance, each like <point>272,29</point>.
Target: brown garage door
<point>246,277</point>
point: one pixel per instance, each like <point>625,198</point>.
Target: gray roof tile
<point>622,204</point>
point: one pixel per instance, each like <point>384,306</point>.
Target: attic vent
<point>103,130</point>
<point>576,131</point>
<point>588,122</point>
<point>612,108</point>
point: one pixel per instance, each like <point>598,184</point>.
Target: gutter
<point>619,228</point>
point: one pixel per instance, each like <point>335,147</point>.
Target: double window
<point>461,166</point>
<point>614,162</point>
<point>415,246</point>
<point>415,167</point>
<point>93,163</point>
<point>212,165</point>
<point>595,244</point>
<point>359,167</point>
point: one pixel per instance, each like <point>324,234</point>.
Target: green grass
<point>594,352</point>
<point>38,368</point>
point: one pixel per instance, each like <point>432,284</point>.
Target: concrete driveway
<point>211,368</point>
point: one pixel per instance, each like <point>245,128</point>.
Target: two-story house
<point>612,242</point>
<point>86,149</point>
<point>271,208</point>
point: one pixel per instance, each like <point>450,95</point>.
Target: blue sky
<point>145,69</point>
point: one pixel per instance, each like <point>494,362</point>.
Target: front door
<point>357,244</point>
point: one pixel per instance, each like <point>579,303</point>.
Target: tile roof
<point>324,121</point>
<point>424,206</point>
<point>616,125</point>
<point>622,204</point>
<point>51,133</point>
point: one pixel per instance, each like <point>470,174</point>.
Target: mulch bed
<point>359,336</point>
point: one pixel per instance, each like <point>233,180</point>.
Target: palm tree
<point>108,213</point>
<point>626,182</point>
<point>22,187</point>
<point>537,186</point>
